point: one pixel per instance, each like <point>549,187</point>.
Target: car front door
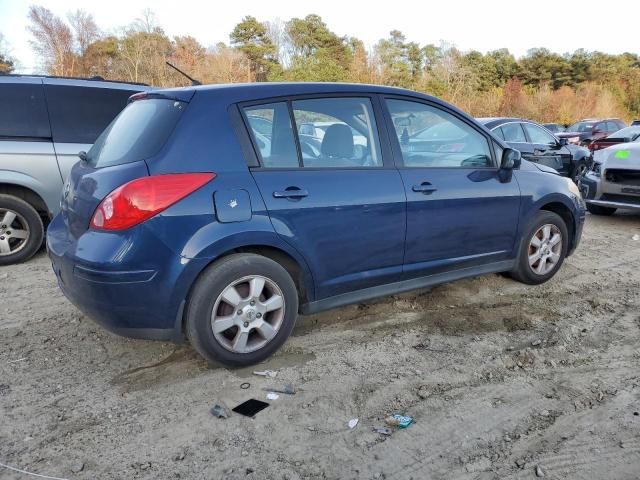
<point>547,149</point>
<point>459,213</point>
<point>339,201</point>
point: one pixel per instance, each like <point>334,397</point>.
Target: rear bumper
<point>128,282</point>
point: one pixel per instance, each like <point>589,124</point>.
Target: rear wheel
<point>599,210</point>
<point>241,310</point>
<point>542,249</point>
<point>21,230</point>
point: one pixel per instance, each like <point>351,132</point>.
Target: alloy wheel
<point>545,248</point>
<point>248,314</point>
<point>14,232</point>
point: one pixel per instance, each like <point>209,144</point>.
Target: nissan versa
<point>208,212</point>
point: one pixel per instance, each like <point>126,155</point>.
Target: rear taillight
<point>141,199</point>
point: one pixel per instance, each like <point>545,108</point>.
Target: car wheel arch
<point>295,266</point>
<point>565,213</point>
<point>28,195</point>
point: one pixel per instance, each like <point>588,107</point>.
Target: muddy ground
<point>501,378</point>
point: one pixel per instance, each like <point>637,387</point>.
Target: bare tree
<point>52,40</point>
<point>85,29</point>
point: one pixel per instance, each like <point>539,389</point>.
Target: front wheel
<point>579,170</point>
<point>241,310</point>
<point>543,249</point>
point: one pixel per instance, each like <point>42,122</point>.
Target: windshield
<point>581,127</point>
<point>628,132</point>
<point>137,133</point>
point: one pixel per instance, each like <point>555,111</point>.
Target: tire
<point>214,283</point>
<point>579,169</point>
<point>524,271</point>
<point>21,230</point>
<point>599,210</point>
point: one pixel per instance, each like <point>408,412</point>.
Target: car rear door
<point>79,113</point>
<point>27,157</point>
<point>546,148</point>
<point>340,202</point>
<point>459,213</point>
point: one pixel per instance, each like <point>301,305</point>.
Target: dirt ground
<point>501,378</point>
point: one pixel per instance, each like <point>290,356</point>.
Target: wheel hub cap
<point>14,232</point>
<point>248,314</point>
<point>545,248</point>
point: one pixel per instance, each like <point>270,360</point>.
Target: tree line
<point>542,85</point>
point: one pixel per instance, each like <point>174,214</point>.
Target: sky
<point>560,25</point>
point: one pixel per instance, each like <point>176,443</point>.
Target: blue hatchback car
<point>221,212</point>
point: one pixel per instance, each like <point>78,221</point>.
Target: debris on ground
<point>267,373</point>
<point>636,237</point>
<point>245,385</point>
<point>272,396</point>
<point>539,471</point>
<point>77,467</point>
<point>219,411</point>
<point>251,407</point>
<point>287,389</point>
<point>386,431</point>
<point>400,421</point>
<point>353,422</point>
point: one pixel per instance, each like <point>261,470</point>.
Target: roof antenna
<point>194,82</point>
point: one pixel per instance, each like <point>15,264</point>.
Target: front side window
<point>430,137</point>
<point>538,135</point>
<point>513,133</point>
<point>337,133</point>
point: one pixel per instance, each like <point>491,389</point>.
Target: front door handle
<point>290,192</point>
<point>425,188</point>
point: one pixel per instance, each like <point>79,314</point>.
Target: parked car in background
<point>178,202</point>
<point>626,135</point>
<point>554,127</point>
<point>586,131</point>
<point>614,180</point>
<point>44,123</point>
<point>539,145</point>
<point>635,122</point>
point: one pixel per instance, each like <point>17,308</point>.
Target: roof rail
<point>95,78</point>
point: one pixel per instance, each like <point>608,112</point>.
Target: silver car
<point>614,179</point>
<point>44,123</point>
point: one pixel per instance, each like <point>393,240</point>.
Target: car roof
<point>493,122</point>
<point>95,82</point>
<point>247,92</point>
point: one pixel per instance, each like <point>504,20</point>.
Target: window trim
<point>397,152</point>
<point>526,134</point>
<point>255,163</point>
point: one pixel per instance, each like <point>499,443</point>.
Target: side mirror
<point>511,159</point>
<point>82,155</point>
<point>563,142</point>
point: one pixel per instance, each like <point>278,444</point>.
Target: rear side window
<point>270,126</point>
<point>80,114</point>
<point>138,133</point>
<point>23,112</point>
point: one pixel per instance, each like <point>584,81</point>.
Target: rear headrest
<point>337,141</point>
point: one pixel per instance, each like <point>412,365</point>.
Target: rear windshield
<point>138,133</point>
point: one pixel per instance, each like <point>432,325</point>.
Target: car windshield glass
<point>137,133</point>
<point>628,132</point>
<point>581,127</point>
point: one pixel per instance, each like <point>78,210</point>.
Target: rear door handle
<point>291,192</point>
<point>424,187</point>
